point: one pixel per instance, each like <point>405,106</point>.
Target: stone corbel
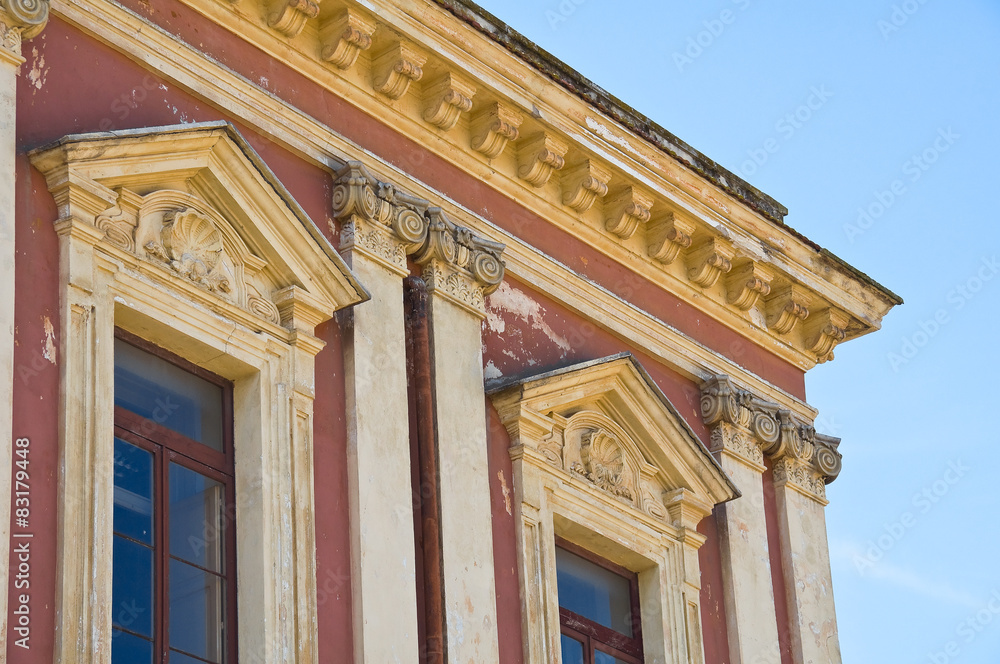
<point>494,127</point>
<point>458,264</point>
<point>584,183</point>
<point>395,69</point>
<point>747,284</point>
<point>344,37</point>
<point>540,156</point>
<point>786,307</point>
<point>666,236</point>
<point>708,261</point>
<point>626,209</point>
<point>21,19</point>
<point>824,330</point>
<point>289,16</point>
<point>446,99</point>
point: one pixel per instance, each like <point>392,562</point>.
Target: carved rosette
<point>709,261</point>
<point>747,284</point>
<point>344,37</point>
<point>446,99</point>
<point>750,427</point>
<point>666,236</point>
<point>387,225</point>
<point>626,210</point>
<point>584,183</point>
<point>786,308</point>
<point>540,157</point>
<point>289,16</point>
<point>603,463</point>
<point>398,67</point>
<point>494,127</point>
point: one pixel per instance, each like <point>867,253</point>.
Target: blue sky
<point>905,99</point>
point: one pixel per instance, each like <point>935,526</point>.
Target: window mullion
<point>162,556</point>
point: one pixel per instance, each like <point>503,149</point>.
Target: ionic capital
<point>21,19</point>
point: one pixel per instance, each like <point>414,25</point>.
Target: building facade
<point>370,332</point>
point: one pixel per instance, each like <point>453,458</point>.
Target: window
<point>598,609</point>
<point>173,562</point>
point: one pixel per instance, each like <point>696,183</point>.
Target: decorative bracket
<point>494,127</point>
<point>786,307</point>
<point>344,37</point>
<point>584,184</point>
<point>824,331</point>
<point>747,284</point>
<point>290,16</point>
<point>398,67</point>
<point>446,100</point>
<point>666,236</point>
<point>541,155</point>
<point>709,261</point>
<point>627,208</point>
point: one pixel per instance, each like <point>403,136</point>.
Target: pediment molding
<point>749,427</point>
<point>190,204</point>
<point>606,425</point>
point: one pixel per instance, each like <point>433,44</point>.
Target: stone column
<point>807,462</point>
<point>738,435</point>
<point>19,19</point>
<point>382,537</point>
<point>459,269</point>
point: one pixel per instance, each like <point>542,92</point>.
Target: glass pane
<point>130,649</point>
<point>197,524</point>
<point>153,388</point>
<point>133,512</point>
<point>594,592</point>
<point>132,586</point>
<point>572,650</point>
<point>197,611</point>
<point>180,658</point>
<point>605,658</point>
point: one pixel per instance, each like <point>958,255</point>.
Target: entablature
<point>471,101</point>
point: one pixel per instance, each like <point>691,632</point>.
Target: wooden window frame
<point>593,635</point>
<point>168,446</point>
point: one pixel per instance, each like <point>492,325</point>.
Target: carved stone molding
<point>394,70</point>
<point>626,210</point>
<point>824,330</point>
<point>344,37</point>
<point>666,236</point>
<point>747,284</point>
<point>602,461</point>
<point>540,156</point>
<point>446,99</point>
<point>388,225</point>
<point>289,16</point>
<point>786,307</point>
<point>750,427</point>
<point>494,127</point>
<point>584,183</point>
<point>708,261</point>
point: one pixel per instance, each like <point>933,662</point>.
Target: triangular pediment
<point>606,422</point>
<point>197,202</point>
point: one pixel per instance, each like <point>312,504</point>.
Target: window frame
<point>593,634</point>
<point>168,446</point>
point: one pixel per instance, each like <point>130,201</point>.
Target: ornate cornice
<point>21,19</point>
<point>387,225</point>
<point>748,427</point>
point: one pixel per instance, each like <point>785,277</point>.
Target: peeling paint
<point>491,372</point>
<point>520,304</point>
<point>49,342</point>
<point>506,492</point>
<point>36,76</point>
